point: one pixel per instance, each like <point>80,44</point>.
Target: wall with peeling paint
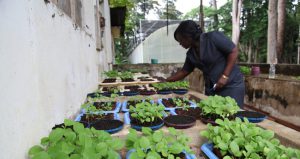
<point>47,66</point>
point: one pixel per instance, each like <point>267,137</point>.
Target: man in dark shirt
<point>215,55</point>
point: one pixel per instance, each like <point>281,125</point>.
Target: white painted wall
<point>47,68</point>
<point>137,56</point>
<point>160,46</point>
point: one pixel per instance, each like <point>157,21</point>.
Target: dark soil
<point>165,91</point>
<point>95,117</point>
<point>250,114</point>
<point>194,112</point>
<point>145,79</point>
<point>211,118</point>
<point>101,105</point>
<point>133,103</point>
<point>109,80</point>
<point>196,99</point>
<point>156,121</point>
<point>127,80</point>
<point>93,95</point>
<point>132,88</point>
<point>109,89</point>
<point>106,124</point>
<point>147,92</point>
<point>169,103</point>
<point>130,93</point>
<point>180,121</point>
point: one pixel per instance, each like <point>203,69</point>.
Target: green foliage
<point>297,78</point>
<point>246,70</point>
<point>246,140</point>
<point>183,103</point>
<point>157,144</point>
<point>218,105</point>
<point>146,111</point>
<point>111,74</point>
<point>171,13</point>
<point>76,143</point>
<point>126,75</point>
<point>171,85</point>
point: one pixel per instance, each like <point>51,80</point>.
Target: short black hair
<point>188,28</point>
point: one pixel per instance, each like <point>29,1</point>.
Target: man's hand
<point>221,83</point>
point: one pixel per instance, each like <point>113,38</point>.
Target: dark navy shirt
<point>212,60</point>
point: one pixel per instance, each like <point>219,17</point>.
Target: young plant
<point>157,144</point>
<point>183,103</point>
<point>238,139</point>
<point>111,74</point>
<point>75,143</point>
<point>147,112</point>
<point>92,111</point>
<point>126,75</point>
<point>180,85</point>
<point>163,86</point>
<point>223,107</point>
<point>245,70</point>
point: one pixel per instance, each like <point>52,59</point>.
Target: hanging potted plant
<point>238,139</point>
<point>75,141</point>
<point>158,144</point>
<point>146,114</point>
<point>217,107</point>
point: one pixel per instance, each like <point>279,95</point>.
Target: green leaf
<point>112,155</point>
<point>68,122</point>
<point>41,155</point>
<point>67,148</point>
<point>227,157</point>
<point>267,134</point>
<point>176,148</point>
<point>35,150</point>
<point>234,147</point>
<point>70,135</point>
<point>157,136</point>
<point>144,142</point>
<point>102,148</point>
<point>116,144</point>
<point>45,141</point>
<point>222,145</point>
<point>75,156</point>
<point>56,135</point>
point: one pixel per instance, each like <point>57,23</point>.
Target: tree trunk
<point>298,42</point>
<point>272,25</point>
<point>201,16</point>
<point>236,12</point>
<point>249,52</point>
<point>281,29</point>
<point>216,20</point>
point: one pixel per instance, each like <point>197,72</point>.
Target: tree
<point>236,12</point>
<point>201,16</point>
<point>280,28</point>
<point>272,29</point>
<point>169,11</point>
<point>216,20</point>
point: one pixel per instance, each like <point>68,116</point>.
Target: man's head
<point>187,32</point>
